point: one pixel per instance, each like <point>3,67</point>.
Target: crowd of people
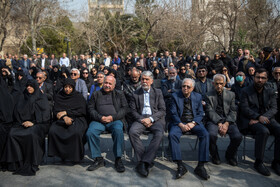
<point>74,101</point>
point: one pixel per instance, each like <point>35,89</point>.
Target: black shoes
<point>181,170</point>
<point>143,168</point>
<point>276,167</point>
<point>119,165</point>
<point>216,159</point>
<point>97,163</point>
<point>231,160</point>
<point>260,167</point>
<point>201,172</point>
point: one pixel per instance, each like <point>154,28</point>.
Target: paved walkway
<point>162,174</point>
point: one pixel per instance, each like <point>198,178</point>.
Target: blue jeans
<point>93,137</point>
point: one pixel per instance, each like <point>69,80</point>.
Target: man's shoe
<point>119,165</point>
<point>231,161</point>
<point>216,160</point>
<point>181,170</point>
<point>201,172</point>
<point>142,169</point>
<point>262,169</point>
<point>97,163</point>
<point>276,167</point>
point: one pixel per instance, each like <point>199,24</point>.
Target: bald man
<point>107,108</point>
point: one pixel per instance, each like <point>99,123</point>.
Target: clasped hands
<point>147,122</point>
<point>186,127</point>
<point>27,124</point>
<point>223,128</point>
<point>262,119</point>
<point>67,120</point>
<point>106,119</point>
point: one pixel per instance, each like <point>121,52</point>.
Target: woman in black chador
<point>25,143</point>
<point>6,116</point>
<point>67,131</point>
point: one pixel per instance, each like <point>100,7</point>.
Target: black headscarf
<point>32,107</point>
<point>55,75</point>
<point>73,103</point>
<point>6,104</point>
<point>19,85</point>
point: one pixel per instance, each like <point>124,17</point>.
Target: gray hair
<point>189,79</point>
<point>276,69</point>
<point>42,73</point>
<point>75,69</point>
<point>172,68</point>
<point>147,73</point>
<point>100,72</point>
<point>218,76</point>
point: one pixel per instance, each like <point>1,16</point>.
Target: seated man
<point>107,107</point>
<point>221,114</point>
<point>148,110</point>
<point>80,84</point>
<point>186,115</point>
<point>258,108</point>
<point>45,88</point>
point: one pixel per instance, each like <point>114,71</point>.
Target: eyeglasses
<point>201,71</point>
<point>74,74</point>
<point>39,78</point>
<point>277,73</point>
<point>183,69</point>
<point>85,72</point>
<point>224,69</point>
<point>188,87</point>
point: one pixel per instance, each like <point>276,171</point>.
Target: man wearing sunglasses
<point>45,87</point>
<point>187,113</point>
<point>80,84</point>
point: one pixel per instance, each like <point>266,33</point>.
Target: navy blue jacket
<point>177,106</point>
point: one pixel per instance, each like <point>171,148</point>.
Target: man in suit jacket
<point>202,83</point>
<point>45,87</point>
<point>221,114</point>
<point>186,116</point>
<point>148,110</point>
<point>258,108</point>
<point>43,63</point>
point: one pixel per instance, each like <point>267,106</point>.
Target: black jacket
<point>250,106</point>
<point>119,103</point>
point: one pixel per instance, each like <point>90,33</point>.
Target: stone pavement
<point>162,174</point>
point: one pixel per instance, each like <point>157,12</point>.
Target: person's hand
<point>60,114</point>
<point>106,119</point>
<point>214,71</point>
<point>146,122</point>
<point>184,127</point>
<point>67,120</point>
<point>253,121</point>
<point>169,90</point>
<point>223,129</point>
<point>190,125</point>
<point>7,71</point>
<point>264,120</point>
<point>27,124</point>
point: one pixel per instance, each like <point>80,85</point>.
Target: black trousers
<point>234,135</point>
<point>142,154</point>
<point>262,133</point>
